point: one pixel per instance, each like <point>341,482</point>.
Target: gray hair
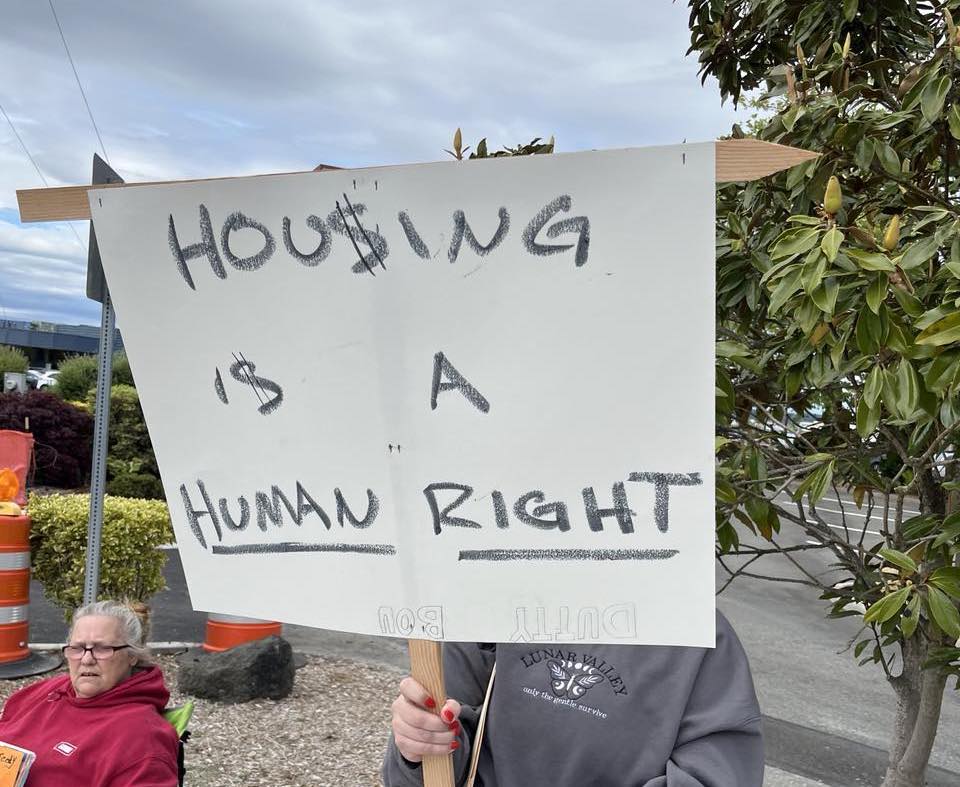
<point>134,624</point>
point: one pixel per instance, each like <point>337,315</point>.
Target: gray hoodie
<point>604,716</point>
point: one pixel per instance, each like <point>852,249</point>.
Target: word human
<point>321,232</point>
<point>532,508</point>
<point>236,515</point>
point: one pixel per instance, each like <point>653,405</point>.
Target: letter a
<point>442,368</point>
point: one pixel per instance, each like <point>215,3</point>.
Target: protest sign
<point>464,401</point>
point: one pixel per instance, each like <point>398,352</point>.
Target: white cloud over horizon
<point>189,89</point>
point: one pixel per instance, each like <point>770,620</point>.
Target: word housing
<point>323,230</point>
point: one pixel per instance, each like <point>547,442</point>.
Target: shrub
<point>78,375</point>
<point>63,435</point>
<point>142,486</point>
<point>12,360</point>
<point>120,371</point>
<point>131,466</point>
<point>131,565</point>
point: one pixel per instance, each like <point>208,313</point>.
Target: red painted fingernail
<point>455,727</point>
<point>447,715</point>
<point>454,744</point>
<point>430,702</point>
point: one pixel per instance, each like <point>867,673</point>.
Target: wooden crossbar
<point>736,160</point>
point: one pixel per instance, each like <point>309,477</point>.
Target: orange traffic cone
<point>228,631</point>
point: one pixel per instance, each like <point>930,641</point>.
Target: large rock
<point>257,669</point>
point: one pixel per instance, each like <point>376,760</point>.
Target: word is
<point>268,392</point>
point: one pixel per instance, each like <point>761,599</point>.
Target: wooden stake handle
<point>426,667</point>
<point>736,160</point>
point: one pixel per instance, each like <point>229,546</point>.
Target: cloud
<point>228,87</point>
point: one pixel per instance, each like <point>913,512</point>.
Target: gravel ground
<point>330,732</point>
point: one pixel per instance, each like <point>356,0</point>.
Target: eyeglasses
<point>100,652</point>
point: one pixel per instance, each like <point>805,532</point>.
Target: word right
<point>532,509</point>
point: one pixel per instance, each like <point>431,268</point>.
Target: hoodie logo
<point>572,679</point>
<point>66,749</point>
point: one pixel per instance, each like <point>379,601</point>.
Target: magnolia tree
<point>838,313</point>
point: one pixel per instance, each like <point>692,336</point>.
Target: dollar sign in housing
<point>243,372</point>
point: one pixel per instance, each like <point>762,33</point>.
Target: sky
<point>211,88</point>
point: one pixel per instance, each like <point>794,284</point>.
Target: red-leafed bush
<point>63,436</point>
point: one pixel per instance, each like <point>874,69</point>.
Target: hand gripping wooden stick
<point>426,667</point>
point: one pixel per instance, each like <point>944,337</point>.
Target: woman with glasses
<point>101,724</point>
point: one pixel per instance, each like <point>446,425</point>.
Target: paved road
<point>826,719</point>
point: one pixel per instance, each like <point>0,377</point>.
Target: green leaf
<point>830,244</point>
<point>762,514</point>
<point>954,120</point>
<point>941,332</point>
<point>864,153</point>
<point>818,457</point>
<point>907,387</point>
<point>873,386</point>
<point>816,483</point>
<point>796,240</point>
<point>785,289</point>
<point>912,97</point>
<point>877,292</point>
<point>911,616</point>
<point>850,9</point>
<point>947,579</point>
<point>930,317</point>
<point>909,303</point>
<point>720,442</point>
<point>941,371</point>
<point>949,412</point>
<point>731,349</point>
<point>757,466</point>
<point>790,117</point>
<point>825,296</point>
<point>919,253</point>
<point>812,272</point>
<point>951,529</point>
<point>886,607</point>
<point>931,101</point>
<point>810,221</point>
<point>871,260</point>
<point>868,329</point>
<point>888,158</point>
<point>899,560</point>
<point>943,612</point>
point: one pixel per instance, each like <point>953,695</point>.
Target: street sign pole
<point>97,290</point>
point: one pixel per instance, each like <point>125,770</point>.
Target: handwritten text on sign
<point>466,401</point>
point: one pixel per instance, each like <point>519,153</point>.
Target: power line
<point>79,85</point>
<point>23,145</point>
<point>36,166</point>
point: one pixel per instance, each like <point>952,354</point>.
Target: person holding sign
<point>579,713</point>
<point>101,724</point>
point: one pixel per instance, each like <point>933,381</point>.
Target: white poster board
<point>484,414</point>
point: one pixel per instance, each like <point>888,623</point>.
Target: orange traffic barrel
<point>14,587</point>
<point>228,631</point>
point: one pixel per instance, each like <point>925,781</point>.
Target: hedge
<point>63,436</point>
<point>131,565</point>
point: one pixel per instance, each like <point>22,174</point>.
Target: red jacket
<point>116,739</point>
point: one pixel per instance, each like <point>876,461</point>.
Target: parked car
<point>34,376</point>
<point>47,379</point>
